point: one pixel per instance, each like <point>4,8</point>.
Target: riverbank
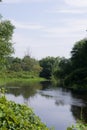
<point>4,81</point>
<point>18,117</point>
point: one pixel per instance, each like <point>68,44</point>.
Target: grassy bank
<point>11,77</point>
<point>4,81</point>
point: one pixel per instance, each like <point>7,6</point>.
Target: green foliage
<point>27,65</point>
<point>20,81</point>
<point>30,64</point>
<point>6,31</point>
<point>49,65</point>
<point>79,54</point>
<point>79,126</point>
<point>64,68</point>
<point>18,117</point>
<point>73,72</point>
<point>79,76</point>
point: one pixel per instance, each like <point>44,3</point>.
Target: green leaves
<point>79,126</point>
<point>79,54</point>
<point>6,32</point>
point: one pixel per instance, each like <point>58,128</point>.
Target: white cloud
<point>68,11</point>
<point>72,28</point>
<point>78,3</point>
<point>59,37</point>
<point>23,1</point>
<point>11,1</point>
<point>22,25</point>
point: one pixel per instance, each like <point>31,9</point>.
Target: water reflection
<point>26,90</point>
<point>56,106</point>
<point>79,112</point>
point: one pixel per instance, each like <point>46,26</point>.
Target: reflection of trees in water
<point>29,90</point>
<point>80,95</point>
<point>79,112</point>
<point>56,99</point>
<point>25,89</point>
<point>59,102</point>
<point>46,85</point>
<point>45,95</point>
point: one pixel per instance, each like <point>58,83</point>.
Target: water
<point>56,107</point>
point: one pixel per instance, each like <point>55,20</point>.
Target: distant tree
<point>26,63</point>
<point>64,68</point>
<point>30,64</point>
<point>47,65</point>
<point>15,65</point>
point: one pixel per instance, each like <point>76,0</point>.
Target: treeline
<point>70,72</point>
<point>26,67</point>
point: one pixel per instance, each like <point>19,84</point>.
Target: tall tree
<point>79,54</point>
<point>6,44</point>
<point>78,74</point>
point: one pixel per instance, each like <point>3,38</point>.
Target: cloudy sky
<point>46,27</point>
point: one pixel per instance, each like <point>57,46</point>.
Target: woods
<point>70,72</point>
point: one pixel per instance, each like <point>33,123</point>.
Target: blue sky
<point>46,27</point>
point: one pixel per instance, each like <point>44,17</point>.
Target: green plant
<point>79,126</point>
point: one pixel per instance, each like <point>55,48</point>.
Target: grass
<point>4,81</point>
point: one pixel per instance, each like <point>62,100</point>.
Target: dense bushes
<point>73,71</point>
<point>79,76</point>
<point>26,64</point>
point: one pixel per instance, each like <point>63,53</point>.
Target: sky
<point>45,27</point>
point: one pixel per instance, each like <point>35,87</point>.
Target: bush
<point>79,126</point>
<point>76,78</point>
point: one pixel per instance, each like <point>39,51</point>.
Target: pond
<point>57,107</point>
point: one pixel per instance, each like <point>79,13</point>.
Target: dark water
<point>56,107</point>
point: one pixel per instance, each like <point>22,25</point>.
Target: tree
<point>78,74</point>
<point>47,67</point>
<point>31,65</point>
<point>6,48</point>
<point>79,54</point>
<point>15,64</point>
<point>63,69</point>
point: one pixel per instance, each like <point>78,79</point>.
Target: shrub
<point>79,126</point>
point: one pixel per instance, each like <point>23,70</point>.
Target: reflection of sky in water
<point>52,106</point>
<point>58,116</point>
<point>18,99</point>
<point>62,98</point>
